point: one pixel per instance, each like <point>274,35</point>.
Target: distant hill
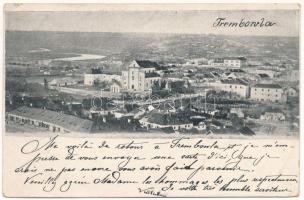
<point>150,45</point>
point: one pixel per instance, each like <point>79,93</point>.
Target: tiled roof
<point>264,75</point>
<point>69,122</point>
<point>152,75</point>
<point>234,82</point>
<point>114,81</point>
<point>146,63</point>
<point>235,58</point>
<point>166,119</point>
<point>267,86</point>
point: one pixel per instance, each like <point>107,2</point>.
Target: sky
<point>161,21</point>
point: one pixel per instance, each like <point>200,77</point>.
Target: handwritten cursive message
<point>179,167</point>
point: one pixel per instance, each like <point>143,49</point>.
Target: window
<point>132,78</point>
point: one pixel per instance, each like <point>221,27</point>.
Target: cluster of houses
<point>140,76</point>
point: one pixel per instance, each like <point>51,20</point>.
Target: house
<point>291,92</point>
<point>293,75</point>
<point>200,126</point>
<point>217,62</point>
<point>229,62</point>
<point>216,125</point>
<point>268,92</point>
<point>115,86</point>
<point>97,75</point>
<point>264,78</point>
<point>238,112</point>
<point>237,86</point>
<point>257,70</point>
<point>235,62</point>
<point>140,75</point>
<point>62,82</point>
<point>157,119</point>
<point>50,120</point>
<point>273,115</point>
<point>206,76</point>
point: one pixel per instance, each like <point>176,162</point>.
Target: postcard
<point>151,100</point>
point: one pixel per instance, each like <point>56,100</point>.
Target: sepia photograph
<point>151,100</point>
<point>156,72</point>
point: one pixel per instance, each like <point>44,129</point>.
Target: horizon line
<point>164,33</point>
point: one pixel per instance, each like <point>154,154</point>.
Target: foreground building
<point>140,76</point>
<point>268,92</point>
<point>50,120</point>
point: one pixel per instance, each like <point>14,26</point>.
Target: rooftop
<point>267,86</point>
<point>152,75</point>
<point>273,110</point>
<point>264,75</point>
<point>146,63</point>
<point>234,82</point>
<point>114,81</point>
<point>235,58</point>
<point>67,121</point>
<point>167,119</point>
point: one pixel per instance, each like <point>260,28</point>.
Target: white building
<point>230,62</point>
<point>234,86</point>
<point>175,126</point>
<point>268,92</point>
<point>291,92</point>
<point>62,82</point>
<point>90,79</point>
<point>201,126</point>
<point>115,87</point>
<point>235,62</point>
<point>49,120</point>
<point>269,72</point>
<point>140,75</point>
<point>273,116</point>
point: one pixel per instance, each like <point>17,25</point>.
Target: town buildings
<point>115,86</point>
<point>62,82</point>
<point>268,92</point>
<point>230,62</point>
<point>140,75</point>
<point>273,115</point>
<point>50,120</point>
<point>236,86</point>
<point>98,76</point>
